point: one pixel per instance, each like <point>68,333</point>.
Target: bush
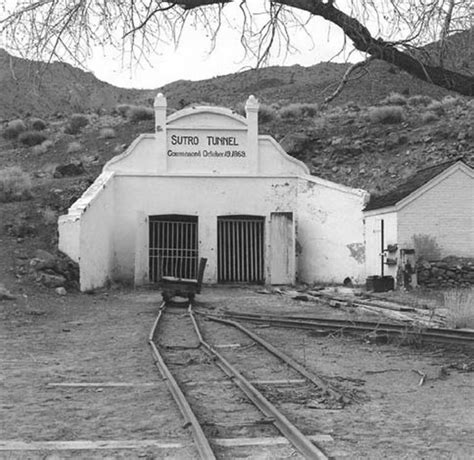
<point>38,124</point>
<point>15,184</point>
<point>266,113</point>
<point>450,101</point>
<point>13,129</point>
<point>395,99</point>
<point>42,148</point>
<point>436,107</point>
<point>74,147</point>
<point>107,133</point>
<point>460,306</point>
<point>140,112</point>
<point>428,117</point>
<point>122,109</point>
<point>31,138</point>
<point>386,114</point>
<point>299,110</point>
<point>76,123</point>
<point>419,100</point>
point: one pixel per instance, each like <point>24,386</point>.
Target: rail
<point>202,443</point>
<point>298,439</point>
<point>438,335</point>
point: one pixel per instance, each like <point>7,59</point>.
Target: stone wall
<point>446,273</point>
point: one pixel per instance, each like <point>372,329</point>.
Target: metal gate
<point>240,249</point>
<point>173,246</point>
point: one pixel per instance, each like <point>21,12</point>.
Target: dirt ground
<point>102,338</point>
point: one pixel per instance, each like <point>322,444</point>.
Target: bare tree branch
<point>345,78</point>
<point>59,28</point>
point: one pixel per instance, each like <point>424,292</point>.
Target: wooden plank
<point>287,382</point>
<point>8,445</point>
<point>102,384</point>
<point>90,445</point>
<point>273,441</point>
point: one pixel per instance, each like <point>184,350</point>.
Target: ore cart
<point>183,287</point>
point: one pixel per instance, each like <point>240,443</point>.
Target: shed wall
<point>445,213</point>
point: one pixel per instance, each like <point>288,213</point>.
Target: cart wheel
<point>191,296</point>
<point>166,296</point>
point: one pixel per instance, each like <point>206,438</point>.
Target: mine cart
<point>183,287</point>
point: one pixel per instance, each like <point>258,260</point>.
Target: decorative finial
<point>252,103</point>
<point>160,100</point>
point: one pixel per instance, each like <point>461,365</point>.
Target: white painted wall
<point>86,232</point>
<point>207,197</point>
<point>329,232</point>
<point>106,230</point>
<point>373,240</point>
<point>444,212</point>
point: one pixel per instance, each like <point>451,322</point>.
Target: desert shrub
<point>429,117</point>
<point>460,306</point>
<point>140,112</point>
<point>436,107</point>
<point>42,148</point>
<point>299,110</point>
<point>386,114</point>
<point>122,109</point>
<point>76,122</point>
<point>266,113</point>
<point>107,133</point>
<point>426,247</point>
<point>74,147</point>
<point>13,129</point>
<point>395,99</point>
<point>49,216</point>
<point>38,124</point>
<point>419,100</point>
<point>450,101</point>
<point>31,138</point>
<point>240,109</point>
<point>15,184</point>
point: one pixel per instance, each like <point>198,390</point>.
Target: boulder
<point>5,294</point>
<point>60,291</point>
<point>51,280</point>
<point>69,170</point>
<point>42,260</point>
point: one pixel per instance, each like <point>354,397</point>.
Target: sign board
<point>206,150</point>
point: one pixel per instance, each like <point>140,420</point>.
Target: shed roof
<point>413,183</point>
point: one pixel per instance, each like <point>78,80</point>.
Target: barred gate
<point>240,249</point>
<point>173,246</point>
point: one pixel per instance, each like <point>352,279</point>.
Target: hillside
<point>30,87</point>
<point>40,89</point>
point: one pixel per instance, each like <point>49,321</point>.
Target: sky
<point>194,58</point>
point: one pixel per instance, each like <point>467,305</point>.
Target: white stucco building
<point>206,184</point>
<point>435,206</point>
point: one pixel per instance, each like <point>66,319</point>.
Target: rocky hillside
<point>40,89</point>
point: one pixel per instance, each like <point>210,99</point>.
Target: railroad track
<point>175,357</point>
<point>437,335</point>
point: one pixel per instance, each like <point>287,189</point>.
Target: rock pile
<point>449,272</point>
<point>54,271</point>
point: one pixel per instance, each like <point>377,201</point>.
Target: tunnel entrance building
<point>206,184</point>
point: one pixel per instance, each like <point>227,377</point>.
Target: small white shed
<point>434,207</point>
<point>206,184</point>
